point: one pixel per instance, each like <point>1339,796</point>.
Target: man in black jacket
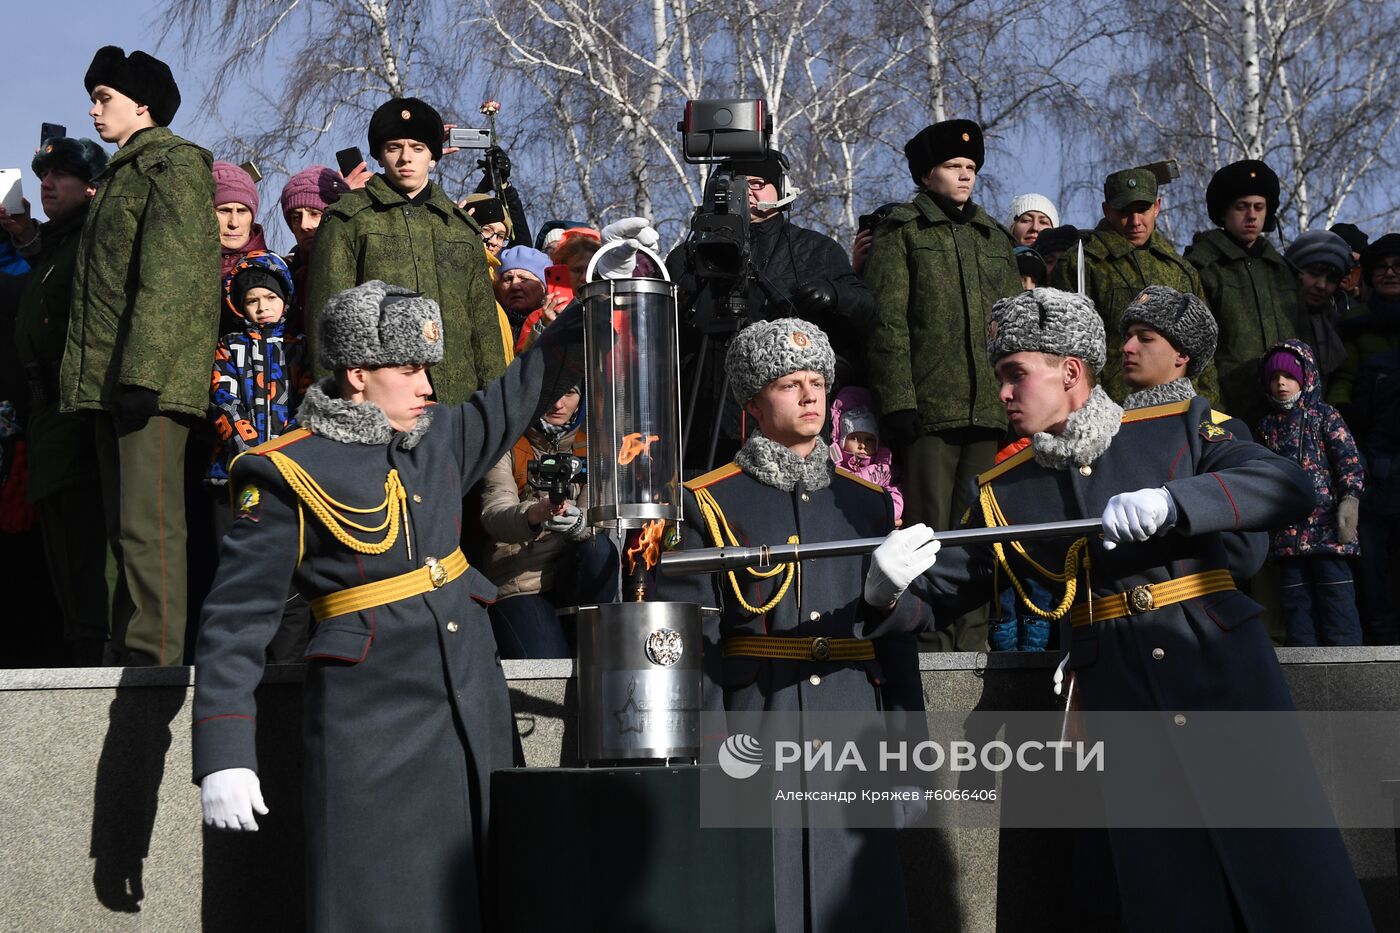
<point>797,273</point>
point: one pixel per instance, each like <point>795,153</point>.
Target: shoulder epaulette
<point>1155,411</point>
<point>1010,463</point>
<point>856,477</point>
<point>712,477</point>
<point>277,443</point>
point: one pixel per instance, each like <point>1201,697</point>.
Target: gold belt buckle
<point>821,649</point>
<point>1140,599</point>
<point>437,573</point>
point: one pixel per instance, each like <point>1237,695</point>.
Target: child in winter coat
<point>855,443</point>
<point>259,373</point>
<point>1319,597</point>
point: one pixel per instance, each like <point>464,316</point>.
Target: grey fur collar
<point>1087,434</point>
<point>322,412</point>
<point>774,465</point>
<point>1178,390</point>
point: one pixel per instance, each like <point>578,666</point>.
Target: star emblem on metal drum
<point>664,647</point>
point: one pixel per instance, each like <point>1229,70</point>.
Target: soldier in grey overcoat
<point>1167,631</point>
<point>783,487</point>
<point>406,709</point>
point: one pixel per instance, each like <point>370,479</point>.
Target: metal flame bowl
<point>640,684</point>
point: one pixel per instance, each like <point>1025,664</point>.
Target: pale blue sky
<point>53,43</point>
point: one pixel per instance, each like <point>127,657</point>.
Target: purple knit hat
<point>315,186</point>
<point>1286,362</point>
<point>234,186</point>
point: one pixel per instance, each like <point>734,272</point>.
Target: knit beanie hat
<point>1033,202</point>
<point>762,352</point>
<point>81,158</point>
<point>1319,247</point>
<point>1283,361</point>
<point>860,421</point>
<point>142,77</point>
<point>1047,320</point>
<point>257,270</point>
<point>232,185</point>
<point>1181,317</point>
<point>523,257</point>
<point>376,324</point>
<point>316,187</point>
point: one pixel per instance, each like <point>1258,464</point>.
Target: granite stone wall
<point>100,823</point>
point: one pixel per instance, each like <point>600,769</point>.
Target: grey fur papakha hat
<point>376,324</point>
<point>1047,320</point>
<point>762,352</point>
<point>1182,318</point>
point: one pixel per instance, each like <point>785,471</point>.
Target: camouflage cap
<point>1047,320</point>
<point>762,352</point>
<point>1181,317</point>
<point>376,324</point>
<point>1130,186</point>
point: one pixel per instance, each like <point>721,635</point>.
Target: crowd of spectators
<point>152,337</point>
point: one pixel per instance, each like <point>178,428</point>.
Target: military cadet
<point>1253,290</point>
<point>402,228</point>
<point>1157,624</point>
<point>406,710</point>
<point>144,323</point>
<point>1168,337</point>
<point>785,640</point>
<point>936,266</point>
<point>1125,254</point>
<point>63,480</point>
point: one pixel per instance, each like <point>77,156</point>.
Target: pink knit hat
<point>234,186</point>
<point>315,186</point>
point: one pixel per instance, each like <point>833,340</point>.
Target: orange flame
<point>648,546</point>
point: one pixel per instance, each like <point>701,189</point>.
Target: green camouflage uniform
<point>935,281</point>
<point>146,288</point>
<point>1114,273</point>
<point>1257,302</point>
<point>145,317</point>
<point>432,247</point>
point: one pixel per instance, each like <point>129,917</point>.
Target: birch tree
<point>1306,85</point>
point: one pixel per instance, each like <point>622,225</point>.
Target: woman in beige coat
<point>544,555</point>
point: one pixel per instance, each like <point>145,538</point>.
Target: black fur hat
<point>406,118</point>
<point>144,78</point>
<point>936,144</point>
<point>81,158</point>
<point>1238,180</point>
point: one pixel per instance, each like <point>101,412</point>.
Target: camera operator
<point>793,272</point>
<point>544,555</point>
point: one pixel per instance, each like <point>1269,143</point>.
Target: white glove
<point>621,261</point>
<point>229,797</point>
<point>1137,516</point>
<point>905,553</point>
<point>568,522</point>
